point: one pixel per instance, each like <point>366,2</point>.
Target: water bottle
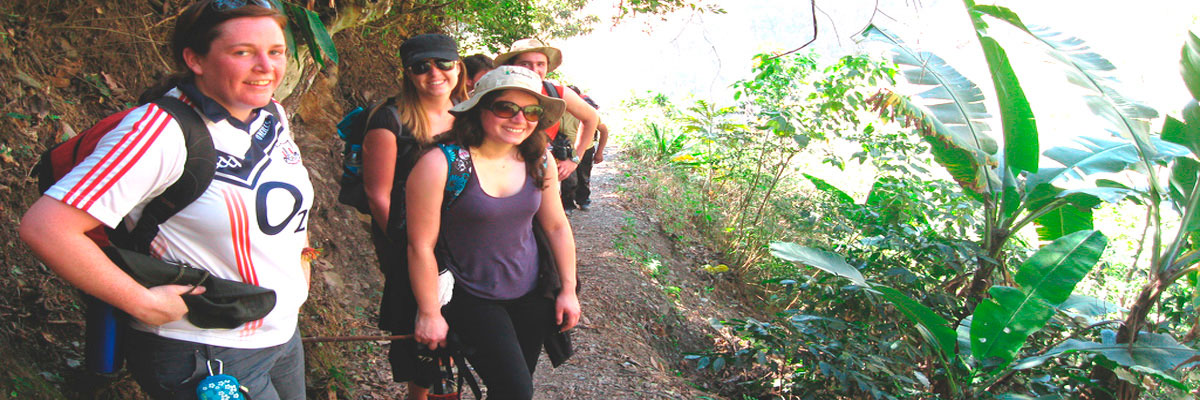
<point>102,349</point>
<point>353,161</point>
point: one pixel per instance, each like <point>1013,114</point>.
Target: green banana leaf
<point>1153,353</point>
<point>1020,127</point>
<point>1062,221</point>
<point>1191,64</point>
<point>935,329</point>
<point>820,259</point>
<point>1184,171</point>
<point>1002,324</point>
<point>839,195</point>
<point>1092,72</point>
<point>1091,155</point>
<point>950,113</point>
<point>1053,271</point>
<point>1021,146</point>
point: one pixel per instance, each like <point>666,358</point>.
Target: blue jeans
<point>169,369</point>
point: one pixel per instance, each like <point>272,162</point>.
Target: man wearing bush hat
<point>540,58</point>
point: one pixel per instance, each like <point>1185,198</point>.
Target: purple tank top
<point>490,241</point>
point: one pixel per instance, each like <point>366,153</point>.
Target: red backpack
<point>199,168</point>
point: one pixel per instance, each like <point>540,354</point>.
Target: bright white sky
<point>700,54</point>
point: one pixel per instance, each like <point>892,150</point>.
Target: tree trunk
<point>1106,379</point>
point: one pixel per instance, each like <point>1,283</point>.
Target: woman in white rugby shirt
<point>248,226</point>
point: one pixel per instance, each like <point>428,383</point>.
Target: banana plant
<point>1008,176</point>
<point>1001,325</point>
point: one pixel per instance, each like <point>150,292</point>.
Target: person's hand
<point>566,310</point>
<point>566,168</point>
<point>164,304</point>
<point>431,330</point>
<point>598,157</point>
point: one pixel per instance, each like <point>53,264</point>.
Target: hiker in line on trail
<point>477,65</point>
<point>542,59</point>
<point>431,83</point>
<point>577,188</point>
<point>229,59</point>
<point>499,307</point>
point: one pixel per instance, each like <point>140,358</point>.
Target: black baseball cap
<point>426,46</point>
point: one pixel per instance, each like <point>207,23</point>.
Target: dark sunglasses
<point>423,67</point>
<point>508,109</point>
<point>226,5</point>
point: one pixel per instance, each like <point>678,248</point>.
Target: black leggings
<point>504,337</point>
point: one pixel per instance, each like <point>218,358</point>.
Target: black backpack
<point>353,129</point>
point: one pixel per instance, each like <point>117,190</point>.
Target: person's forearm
<point>563,243</point>
<point>583,141</point>
<point>77,259</point>
<point>423,275</point>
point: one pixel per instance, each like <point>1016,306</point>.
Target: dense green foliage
<point>959,281</point>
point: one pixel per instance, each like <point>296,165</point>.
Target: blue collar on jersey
<point>214,110</point>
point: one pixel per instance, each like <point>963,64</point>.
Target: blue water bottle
<point>102,349</point>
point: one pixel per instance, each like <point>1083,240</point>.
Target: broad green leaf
<point>1002,323</point>
<point>1092,155</point>
<point>320,37</point>
<point>1053,271</point>
<point>841,197</point>
<point>820,259</point>
<point>1020,127</point>
<point>1186,131</point>
<point>1184,173</point>
<point>949,113</point>
<point>935,329</point>
<point>1062,221</point>
<point>1152,352</point>
<point>1190,64</point>
<point>1087,306</point>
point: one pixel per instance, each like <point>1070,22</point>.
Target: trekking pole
<point>369,338</point>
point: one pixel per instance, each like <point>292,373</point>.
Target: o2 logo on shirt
<point>276,196</point>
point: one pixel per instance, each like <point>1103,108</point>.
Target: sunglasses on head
<point>423,67</point>
<point>226,5</point>
<point>508,109</point>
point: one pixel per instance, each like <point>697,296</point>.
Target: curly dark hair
<point>467,131</point>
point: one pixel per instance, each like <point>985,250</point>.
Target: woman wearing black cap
<point>433,80</point>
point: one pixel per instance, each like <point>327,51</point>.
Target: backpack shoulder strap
<point>198,172</point>
<point>551,90</point>
<point>460,169</point>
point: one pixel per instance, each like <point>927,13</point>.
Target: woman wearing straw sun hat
<point>485,238</point>
<point>536,56</point>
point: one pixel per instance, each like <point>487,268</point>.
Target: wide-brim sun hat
<point>512,77</point>
<point>553,55</point>
<point>426,46</point>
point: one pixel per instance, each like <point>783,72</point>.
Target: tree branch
<point>814,36</point>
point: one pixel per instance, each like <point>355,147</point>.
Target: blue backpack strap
<point>458,159</point>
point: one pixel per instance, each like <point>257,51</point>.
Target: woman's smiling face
<point>244,64</point>
<point>512,130</point>
<point>436,82</point>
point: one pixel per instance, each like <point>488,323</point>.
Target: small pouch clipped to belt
<point>225,304</point>
<point>218,386</point>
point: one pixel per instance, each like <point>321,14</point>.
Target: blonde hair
<point>408,104</point>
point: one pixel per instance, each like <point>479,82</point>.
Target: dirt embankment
<point>66,64</point>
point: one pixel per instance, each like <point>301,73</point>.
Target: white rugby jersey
<point>249,226</point>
